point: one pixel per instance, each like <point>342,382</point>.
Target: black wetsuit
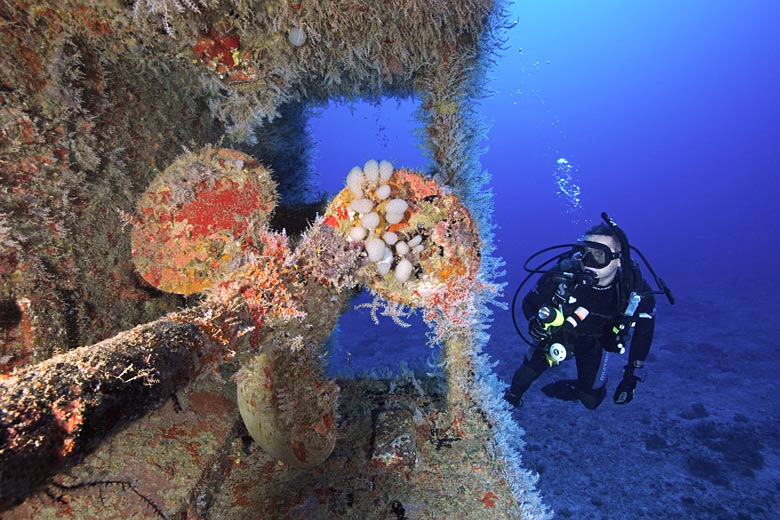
<point>592,336</point>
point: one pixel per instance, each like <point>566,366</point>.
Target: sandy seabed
<point>700,440</point>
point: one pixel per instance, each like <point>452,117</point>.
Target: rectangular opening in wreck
<point>347,134</point>
<point>360,347</point>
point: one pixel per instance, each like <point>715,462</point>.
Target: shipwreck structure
<point>167,281</point>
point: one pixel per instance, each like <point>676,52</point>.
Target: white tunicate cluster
<point>383,192</point>
<point>390,238</point>
<point>371,205</point>
<point>416,244</point>
<point>355,181</point>
<point>358,233</point>
<point>396,206</point>
<point>394,218</point>
<point>362,205</point>
<point>394,211</point>
<point>385,170</point>
<point>384,265</point>
<point>370,221</point>
<point>297,36</point>
<point>371,171</point>
<point>375,247</point>
<point>403,270</point>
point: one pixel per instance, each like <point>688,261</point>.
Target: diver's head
<point>603,258</point>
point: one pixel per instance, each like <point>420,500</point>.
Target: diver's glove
<point>615,346</point>
<point>624,393</point>
<point>537,329</point>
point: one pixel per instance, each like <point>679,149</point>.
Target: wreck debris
<point>430,238</point>
<point>220,50</point>
<point>274,387</point>
<point>274,304</point>
<point>93,98</point>
<point>56,411</point>
<point>199,217</point>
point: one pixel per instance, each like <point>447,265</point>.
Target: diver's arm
<point>641,339</point>
<point>642,336</point>
<point>539,296</point>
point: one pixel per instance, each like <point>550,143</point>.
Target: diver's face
<point>607,273</point>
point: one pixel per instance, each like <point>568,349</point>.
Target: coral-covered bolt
<point>198,217</point>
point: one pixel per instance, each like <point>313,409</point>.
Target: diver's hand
<point>537,329</point>
<point>633,373</point>
<point>614,346</point>
<point>624,393</point>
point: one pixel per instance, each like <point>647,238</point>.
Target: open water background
<point>666,114</point>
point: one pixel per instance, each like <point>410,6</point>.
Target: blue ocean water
<point>666,115</point>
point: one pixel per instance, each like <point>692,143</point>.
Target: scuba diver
<point>585,307</point>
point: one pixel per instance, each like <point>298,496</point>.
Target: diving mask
<point>593,254</point>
